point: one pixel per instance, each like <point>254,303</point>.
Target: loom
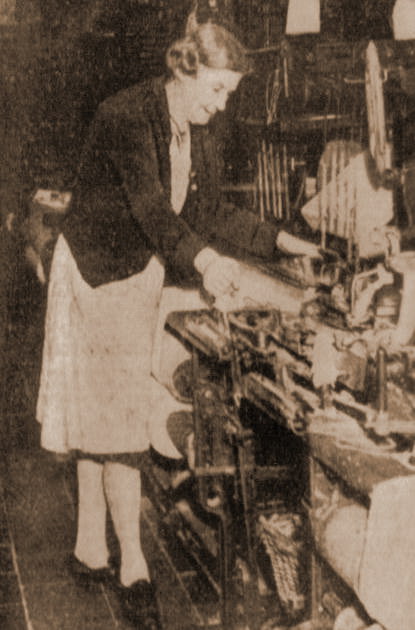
<point>340,112</point>
<point>333,374</point>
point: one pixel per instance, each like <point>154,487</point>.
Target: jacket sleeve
<point>128,143</point>
<point>231,228</point>
<point>242,230</point>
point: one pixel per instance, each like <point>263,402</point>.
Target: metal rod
<point>353,223</point>
<point>286,181</point>
<point>265,173</point>
<point>286,84</point>
<point>271,163</point>
<point>342,197</point>
<point>323,197</point>
<point>279,193</point>
<point>338,208</point>
<point>382,395</point>
<point>332,195</point>
<point>348,203</point>
<point>260,188</point>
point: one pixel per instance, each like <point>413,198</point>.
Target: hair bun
<point>192,23</point>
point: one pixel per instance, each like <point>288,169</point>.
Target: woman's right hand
<point>220,274</point>
<point>221,277</point>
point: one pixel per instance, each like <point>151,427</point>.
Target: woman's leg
<point>91,542</point>
<point>123,490</point>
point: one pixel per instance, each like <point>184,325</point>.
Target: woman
<point>146,199</point>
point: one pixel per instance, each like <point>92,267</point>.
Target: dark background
<point>61,57</point>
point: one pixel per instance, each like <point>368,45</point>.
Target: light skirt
<point>96,392</point>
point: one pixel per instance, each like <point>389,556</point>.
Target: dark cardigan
<point>121,213</point>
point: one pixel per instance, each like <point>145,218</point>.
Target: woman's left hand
<point>296,246</point>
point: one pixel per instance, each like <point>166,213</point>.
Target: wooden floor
<point>37,528</point>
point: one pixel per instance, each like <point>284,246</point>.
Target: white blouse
<point>180,165</point>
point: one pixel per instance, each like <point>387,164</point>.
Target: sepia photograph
<point>207,315</point>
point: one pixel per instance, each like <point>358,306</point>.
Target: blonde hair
<point>211,45</point>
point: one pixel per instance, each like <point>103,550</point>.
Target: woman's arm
<point>226,226</point>
<point>128,146</point>
<point>242,230</point>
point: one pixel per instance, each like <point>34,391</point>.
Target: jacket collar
<point>157,106</point>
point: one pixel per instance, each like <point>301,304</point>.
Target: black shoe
<point>139,605</point>
<point>86,576</point>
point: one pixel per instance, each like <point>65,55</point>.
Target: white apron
<point>97,393</point>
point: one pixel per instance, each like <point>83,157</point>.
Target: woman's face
<point>207,92</point>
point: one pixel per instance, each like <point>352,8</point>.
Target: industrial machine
<point>304,420</point>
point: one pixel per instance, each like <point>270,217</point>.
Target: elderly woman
<point>146,199</point>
